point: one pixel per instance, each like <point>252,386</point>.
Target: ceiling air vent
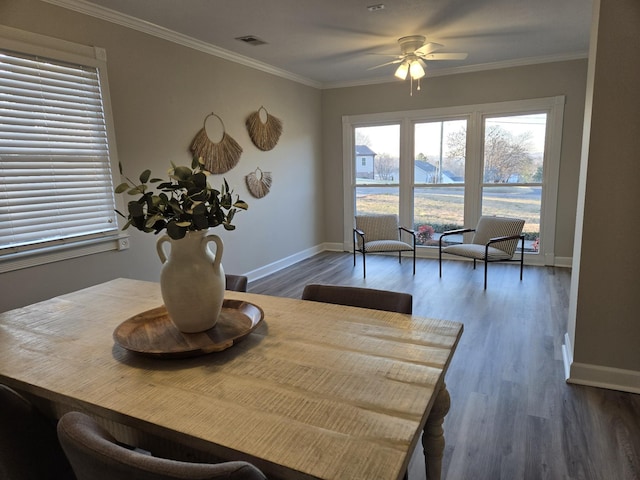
<point>251,40</point>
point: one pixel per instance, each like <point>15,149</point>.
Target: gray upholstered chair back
<point>95,455</point>
<point>29,448</point>
<point>491,227</point>
<point>378,227</point>
<point>237,283</point>
<point>359,297</point>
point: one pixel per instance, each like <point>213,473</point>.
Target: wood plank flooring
<point>512,414</point>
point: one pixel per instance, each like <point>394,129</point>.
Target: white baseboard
<point>565,262</point>
<point>597,375</point>
<point>567,356</point>
<point>334,247</point>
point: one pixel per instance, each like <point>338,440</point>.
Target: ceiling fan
<point>415,53</point>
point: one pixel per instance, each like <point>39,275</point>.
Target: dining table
<point>303,389</point>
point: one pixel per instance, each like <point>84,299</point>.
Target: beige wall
<point>536,81</point>
<point>160,94</point>
<point>604,327</point>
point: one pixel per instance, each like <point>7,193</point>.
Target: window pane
<point>377,200</point>
<point>377,154</point>
<point>435,211</point>
<point>514,148</point>
<point>514,153</point>
<point>520,202</point>
<point>377,164</point>
<point>440,150</point>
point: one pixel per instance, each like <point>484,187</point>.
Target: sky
<point>385,138</point>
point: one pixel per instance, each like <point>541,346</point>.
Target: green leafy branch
<point>184,203</point>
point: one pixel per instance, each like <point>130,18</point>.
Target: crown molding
<point>103,13</point>
<point>441,72</point>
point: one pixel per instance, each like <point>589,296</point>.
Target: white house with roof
<point>365,162</point>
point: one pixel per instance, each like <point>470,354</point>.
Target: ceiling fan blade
<point>445,56</point>
<point>428,48</point>
<point>385,54</point>
<point>385,64</point>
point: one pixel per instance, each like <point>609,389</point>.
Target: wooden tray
<point>153,333</point>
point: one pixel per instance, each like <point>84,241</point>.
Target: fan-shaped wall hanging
<point>264,135</point>
<point>259,186</point>
<point>218,157</point>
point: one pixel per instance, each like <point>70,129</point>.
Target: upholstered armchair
<point>495,240</point>
<point>381,233</point>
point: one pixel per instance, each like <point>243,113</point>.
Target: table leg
<point>433,435</point>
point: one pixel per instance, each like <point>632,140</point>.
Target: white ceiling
<point>332,42</point>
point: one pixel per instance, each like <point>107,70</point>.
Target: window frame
<point>29,43</point>
<point>553,106</point>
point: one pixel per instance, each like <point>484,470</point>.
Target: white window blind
<point>55,177</point>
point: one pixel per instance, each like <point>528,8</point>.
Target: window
<point>377,185</point>
<point>56,188</point>
<point>447,167</point>
<point>513,165</point>
<point>439,172</point>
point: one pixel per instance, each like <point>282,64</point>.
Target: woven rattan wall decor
<point>218,157</point>
<point>259,183</point>
<point>264,135</point>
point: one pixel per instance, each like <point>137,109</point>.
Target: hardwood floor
<point>512,414</point>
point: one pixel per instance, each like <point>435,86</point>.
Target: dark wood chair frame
<point>237,283</point>
<point>486,251</point>
<point>362,250</point>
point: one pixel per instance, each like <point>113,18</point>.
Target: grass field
<point>439,208</point>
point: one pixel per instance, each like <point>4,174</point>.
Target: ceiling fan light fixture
<point>416,70</point>
<point>402,70</point>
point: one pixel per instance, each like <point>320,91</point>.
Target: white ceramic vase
<point>192,280</point>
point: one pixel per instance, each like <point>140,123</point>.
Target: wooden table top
<point>317,391</point>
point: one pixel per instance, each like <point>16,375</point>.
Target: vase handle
<point>219,248</point>
<point>161,241</point>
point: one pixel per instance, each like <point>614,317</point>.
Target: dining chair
<point>379,234</point>
<point>359,297</point>
<point>29,447</point>
<point>495,239</point>
<point>95,455</point>
<point>237,283</point>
